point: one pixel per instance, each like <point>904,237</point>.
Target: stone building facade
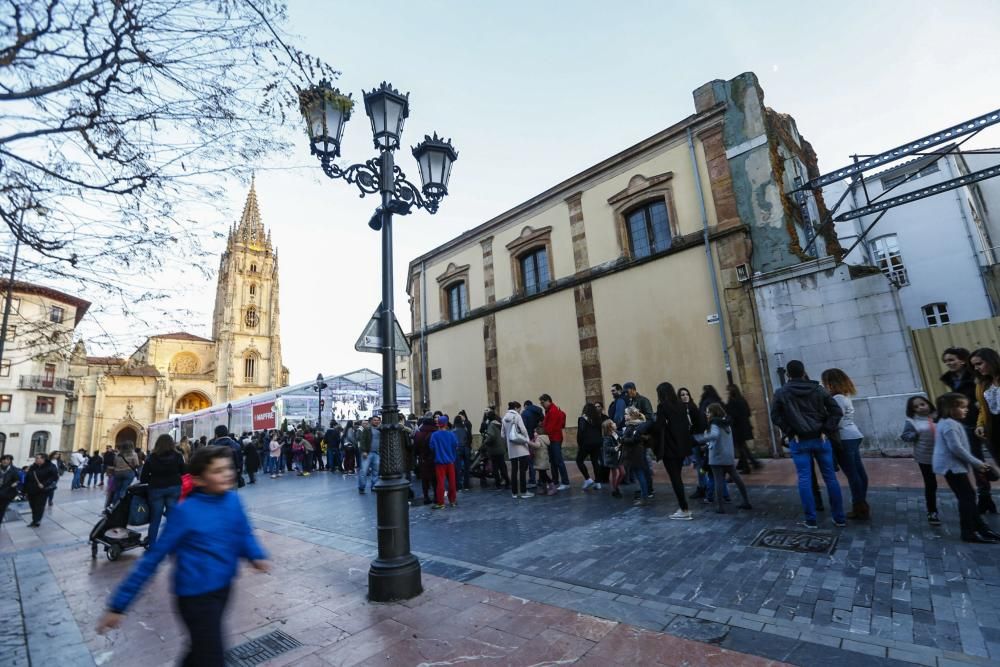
<point>636,268</point>
<point>35,388</point>
<point>176,373</point>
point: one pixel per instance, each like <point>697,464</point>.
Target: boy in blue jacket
<point>444,444</point>
<point>208,533</point>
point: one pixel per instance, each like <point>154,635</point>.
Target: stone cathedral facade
<point>174,373</point>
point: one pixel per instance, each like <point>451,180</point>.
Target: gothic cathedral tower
<point>245,323</point>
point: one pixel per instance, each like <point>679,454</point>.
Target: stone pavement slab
<point>894,592</point>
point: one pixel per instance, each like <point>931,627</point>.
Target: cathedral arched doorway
<point>191,401</point>
<point>127,434</point>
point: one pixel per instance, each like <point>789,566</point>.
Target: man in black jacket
<point>807,415</point>
<point>8,483</point>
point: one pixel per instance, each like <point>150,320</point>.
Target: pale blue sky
<point>533,92</point>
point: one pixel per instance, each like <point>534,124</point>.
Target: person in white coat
<point>515,434</point>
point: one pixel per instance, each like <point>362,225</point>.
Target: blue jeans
<point>802,452</point>
<point>122,481</point>
<point>161,501</point>
<point>76,478</point>
<point>558,464</point>
<point>368,464</point>
<point>854,470</point>
<point>642,474</point>
<point>462,462</point>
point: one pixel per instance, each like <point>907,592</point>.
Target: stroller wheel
<point>113,552</point>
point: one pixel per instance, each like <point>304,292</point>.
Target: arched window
<point>458,301</point>
<point>253,289</point>
<point>39,442</point>
<point>250,368</point>
<point>534,270</point>
<point>887,257</point>
<point>648,229</point>
<point>253,268</point>
<point>251,318</point>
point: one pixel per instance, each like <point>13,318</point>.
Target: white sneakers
<point>682,515</point>
<point>587,483</point>
<point>597,485</point>
<point>526,494</point>
<point>563,487</point>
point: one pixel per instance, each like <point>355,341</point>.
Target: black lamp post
<point>229,417</point>
<point>318,388</point>
<point>395,573</point>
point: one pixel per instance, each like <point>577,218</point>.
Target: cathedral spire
<point>251,229</point>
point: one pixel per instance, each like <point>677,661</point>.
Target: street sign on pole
<point>371,338</point>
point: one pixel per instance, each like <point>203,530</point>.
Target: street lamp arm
<point>368,176</point>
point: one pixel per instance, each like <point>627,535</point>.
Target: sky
<point>534,92</point>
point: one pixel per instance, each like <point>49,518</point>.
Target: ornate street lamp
<point>395,573</point>
<point>318,388</point>
<point>229,417</point>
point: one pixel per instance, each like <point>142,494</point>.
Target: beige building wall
<point>458,353</point>
<point>539,354</point>
<point>652,328</point>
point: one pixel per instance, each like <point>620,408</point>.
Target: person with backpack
<point>124,471</point>
<point>721,455</point>
<point>162,473</point>
<point>496,448</point>
<point>41,477</point>
<point>806,414</point>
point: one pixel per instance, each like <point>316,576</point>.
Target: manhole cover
<point>261,649</point>
<point>800,541</point>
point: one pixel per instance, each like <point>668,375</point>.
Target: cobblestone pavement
<point>894,592</point>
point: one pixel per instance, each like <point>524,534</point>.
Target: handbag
<point>138,511</point>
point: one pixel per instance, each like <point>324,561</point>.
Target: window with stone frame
<point>531,260</point>
<point>253,289</point>
<point>645,219</point>
<point>936,314</point>
<point>56,314</point>
<point>458,300</point>
<point>454,289</point>
<point>5,368</point>
<point>5,401</point>
<point>45,405</point>
<point>250,363</point>
<point>648,229</point>
<point>534,274</point>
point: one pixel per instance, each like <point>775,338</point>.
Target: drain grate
<point>261,649</point>
<point>799,541</point>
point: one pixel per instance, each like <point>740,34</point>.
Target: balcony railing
<point>46,384</point>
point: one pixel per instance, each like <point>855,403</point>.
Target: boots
<point>986,504</point>
<point>860,512</point>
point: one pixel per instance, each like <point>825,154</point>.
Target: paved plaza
<point>577,578</point>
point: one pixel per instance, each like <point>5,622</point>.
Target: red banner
<point>263,416</point>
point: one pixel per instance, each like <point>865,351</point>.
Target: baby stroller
<point>479,466</point>
<point>112,529</point>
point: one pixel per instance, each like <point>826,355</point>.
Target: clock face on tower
<point>251,318</point>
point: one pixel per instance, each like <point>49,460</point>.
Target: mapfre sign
<point>263,416</point>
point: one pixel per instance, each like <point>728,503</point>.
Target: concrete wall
<point>817,313</point>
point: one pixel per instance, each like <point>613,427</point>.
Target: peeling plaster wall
<point>817,313</point>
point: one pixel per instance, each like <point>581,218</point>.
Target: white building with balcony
<point>34,369</point>
<point>939,251</point>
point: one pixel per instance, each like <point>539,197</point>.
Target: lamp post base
<point>395,573</point>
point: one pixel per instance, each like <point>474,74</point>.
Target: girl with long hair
<point>986,363</point>
<point>162,472</point>
<point>588,444</point>
<point>675,443</point>
<point>959,377</point>
<point>721,456</point>
<point>739,415</point>
<point>919,431</point>
<point>848,454</point>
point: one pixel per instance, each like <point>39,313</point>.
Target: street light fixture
<point>318,388</point>
<point>395,573</point>
<point>229,417</point>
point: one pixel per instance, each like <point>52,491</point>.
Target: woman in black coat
<point>739,414</point>
<point>42,476</point>
<point>674,442</point>
<point>251,460</point>
<point>588,443</point>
